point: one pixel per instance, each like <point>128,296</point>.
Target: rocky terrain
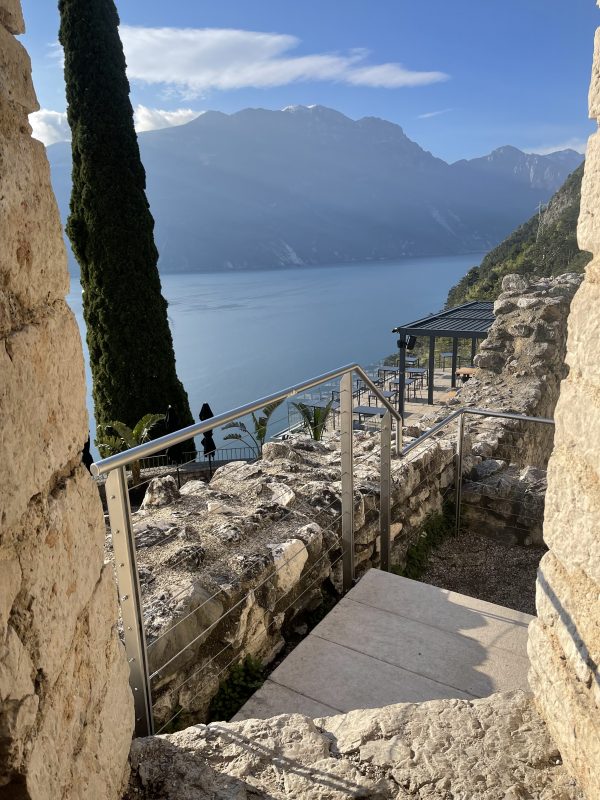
<point>227,568</point>
<point>492,749</point>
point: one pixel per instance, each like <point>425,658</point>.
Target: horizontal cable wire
<point>233,660</point>
<point>230,644</point>
<point>289,512</point>
<point>239,602</point>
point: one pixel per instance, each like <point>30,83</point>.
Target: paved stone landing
<point>393,640</point>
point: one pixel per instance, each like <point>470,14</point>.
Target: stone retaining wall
<point>260,547</point>
<point>65,706</point>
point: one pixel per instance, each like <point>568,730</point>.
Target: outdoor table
<point>414,360</point>
<point>386,394</point>
<point>419,372</point>
<point>409,383</point>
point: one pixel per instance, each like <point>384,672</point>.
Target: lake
<point>243,335</point>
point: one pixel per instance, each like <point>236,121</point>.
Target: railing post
<point>347,481</point>
<point>458,470</point>
<point>130,599</point>
<point>385,478</point>
<point>398,437</point>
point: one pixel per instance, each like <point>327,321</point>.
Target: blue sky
<point>461,77</point>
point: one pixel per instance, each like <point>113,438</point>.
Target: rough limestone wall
<point>65,708</point>
<point>247,556</point>
<point>521,365</point>
<point>564,642</point>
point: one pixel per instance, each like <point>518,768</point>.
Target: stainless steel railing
<point>123,537</point>
<point>460,415</point>
<point>119,510</point>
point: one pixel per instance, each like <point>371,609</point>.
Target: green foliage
<point>544,246</point>
<point>314,418</point>
<point>243,680</point>
<point>435,530</point>
<point>260,424</point>
<point>111,228</point>
<point>114,437</point>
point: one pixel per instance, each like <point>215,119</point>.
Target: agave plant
<point>314,418</point>
<point>254,439</point>
<point>114,437</point>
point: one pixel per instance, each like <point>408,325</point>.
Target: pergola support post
<point>401,373</point>
<point>431,370</point>
<point>454,362</point>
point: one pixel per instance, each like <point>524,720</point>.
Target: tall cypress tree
<point>111,228</point>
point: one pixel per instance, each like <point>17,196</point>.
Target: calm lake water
<point>240,336</point>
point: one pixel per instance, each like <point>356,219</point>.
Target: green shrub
<point>243,680</point>
<point>433,533</point>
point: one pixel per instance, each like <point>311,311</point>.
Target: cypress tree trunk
<point>111,228</point>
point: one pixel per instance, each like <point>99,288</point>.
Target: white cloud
<point>431,114</point>
<point>50,126</point>
<point>152,119</point>
<point>570,144</point>
<point>197,60</point>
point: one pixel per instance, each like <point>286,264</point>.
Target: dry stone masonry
<point>260,547</point>
<point>564,643</point>
<point>65,707</point>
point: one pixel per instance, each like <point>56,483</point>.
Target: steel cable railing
<point>124,540</point>
<point>341,507</point>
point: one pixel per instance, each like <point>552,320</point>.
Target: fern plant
<point>314,418</point>
<point>114,437</point>
<point>254,439</point>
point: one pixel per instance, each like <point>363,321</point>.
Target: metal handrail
<point>184,434</point>
<point>482,412</point>
<point>121,523</point>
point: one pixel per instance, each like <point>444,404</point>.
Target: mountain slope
<point>308,185</point>
<point>545,245</point>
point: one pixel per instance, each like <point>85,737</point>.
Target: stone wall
<point>564,641</point>
<point>521,365</point>
<point>234,567</point>
<point>65,707</point>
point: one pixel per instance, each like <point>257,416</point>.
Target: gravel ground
<point>481,567</point>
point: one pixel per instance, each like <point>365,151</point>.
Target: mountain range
<point>308,185</point>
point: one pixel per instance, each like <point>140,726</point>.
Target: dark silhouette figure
<point>207,441</point>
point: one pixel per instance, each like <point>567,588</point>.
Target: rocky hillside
<point>546,245</point>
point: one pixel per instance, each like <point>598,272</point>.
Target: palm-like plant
<point>314,418</point>
<point>260,423</point>
<point>114,437</point>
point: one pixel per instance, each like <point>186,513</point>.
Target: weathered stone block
<point>573,507</point>
<point>81,747</point>
<point>33,262</point>
<point>11,16</point>
<point>568,602</point>
<point>594,91</point>
<point>15,72</point>
<point>42,393</point>
<point>567,706</point>
<point>588,227</point>
<point>60,565</point>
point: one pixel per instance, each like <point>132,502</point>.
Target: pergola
<point>469,321</point>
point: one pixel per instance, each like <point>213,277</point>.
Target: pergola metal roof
<point>472,319</point>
